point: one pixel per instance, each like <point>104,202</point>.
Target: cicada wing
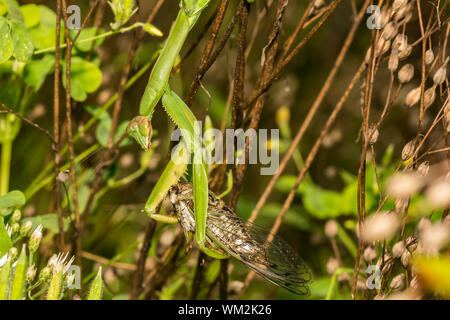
<point>276,261</point>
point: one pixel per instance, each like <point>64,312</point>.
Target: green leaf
<point>388,154</point>
<point>31,14</point>
<point>22,41</point>
<point>6,46</point>
<point>5,241</point>
<point>18,284</point>
<point>3,7</point>
<point>14,13</point>
<point>321,203</point>
<point>36,71</point>
<point>49,221</point>
<point>48,16</point>
<point>5,273</point>
<point>86,77</point>
<point>97,287</point>
<point>286,183</point>
<point>12,198</point>
<point>102,131</point>
<point>44,35</point>
<point>10,94</point>
<point>85,34</point>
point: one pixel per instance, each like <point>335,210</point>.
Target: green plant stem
<point>347,241</point>
<point>5,166</point>
<point>99,36</point>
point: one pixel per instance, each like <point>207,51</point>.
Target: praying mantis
<point>140,127</point>
<point>218,231</point>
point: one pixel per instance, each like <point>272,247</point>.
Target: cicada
<point>274,260</point>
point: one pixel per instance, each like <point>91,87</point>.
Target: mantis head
<point>141,130</point>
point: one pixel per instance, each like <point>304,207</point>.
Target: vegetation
<point>91,97</point>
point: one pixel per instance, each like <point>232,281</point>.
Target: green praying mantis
<point>218,231</point>
<point>140,127</point>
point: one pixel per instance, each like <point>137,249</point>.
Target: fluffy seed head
<point>379,226</point>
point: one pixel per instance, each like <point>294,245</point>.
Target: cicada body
<point>268,255</point>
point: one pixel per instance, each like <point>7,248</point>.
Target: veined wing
<point>276,261</point>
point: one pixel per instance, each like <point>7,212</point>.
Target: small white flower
<point>3,260</point>
<point>58,262</point>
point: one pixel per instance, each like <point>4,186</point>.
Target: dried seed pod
<point>423,168</point>
<point>398,282</point>
<point>332,265</point>
<point>390,30</point>
<point>434,238</point>
<point>415,283</point>
<point>379,226</point>
<point>398,249</point>
<point>406,73</point>
<point>411,243</point>
<point>441,73</point>
<point>382,47</point>
<point>413,97</point>
<point>370,253</point>
<point>380,296</point>
<point>402,13</point>
<point>400,42</point>
<point>393,61</point>
<point>373,135</point>
<point>406,257</point>
<point>429,96</point>
<point>408,150</point>
<point>331,228</point>
<point>401,204</point>
<point>429,56</point>
<point>388,263</point>
<point>402,55</point>
<point>385,16</point>
<point>424,224</point>
<point>397,4</point>
<point>404,185</point>
<point>439,194</point>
